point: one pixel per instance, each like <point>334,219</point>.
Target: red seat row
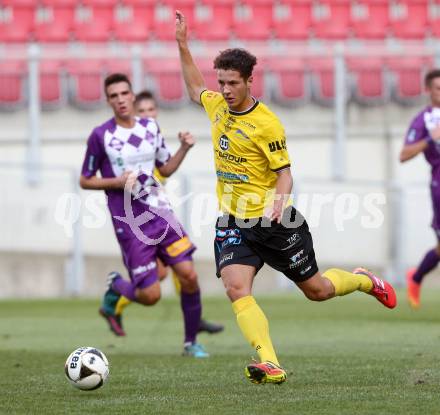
<point>284,80</point>
<point>140,20</point>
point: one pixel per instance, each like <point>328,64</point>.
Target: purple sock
<point>429,263</point>
<point>125,288</point>
<point>192,310</point>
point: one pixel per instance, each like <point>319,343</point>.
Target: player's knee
<point>235,291</point>
<point>148,296</point>
<point>189,281</point>
<point>162,274</point>
<point>318,294</point>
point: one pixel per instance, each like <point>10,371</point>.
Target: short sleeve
<point>95,153</point>
<point>417,131</point>
<point>273,145</point>
<point>162,151</point>
<point>211,101</point>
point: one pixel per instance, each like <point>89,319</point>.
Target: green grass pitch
<point>346,356</point>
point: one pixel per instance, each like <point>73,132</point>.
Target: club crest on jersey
<point>224,142</point>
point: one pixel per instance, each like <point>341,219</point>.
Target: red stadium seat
<point>215,22</point>
<point>139,2</point>
<point>168,81</point>
<point>86,79</point>
<point>335,21</point>
<point>369,79</point>
<point>254,21</point>
<point>434,21</point>
<point>100,3</point>
<point>21,3</point>
<point>291,86</point>
<point>59,3</point>
<point>258,88</point>
<point>370,19</point>
<point>411,19</point>
<point>119,66</point>
<point>52,84</point>
<point>12,75</point>
<point>408,74</point>
<point>206,66</point>
<point>17,24</point>
<point>137,26</point>
<point>322,70</point>
<point>293,19</point>
<point>96,27</point>
<point>57,26</point>
<point>165,20</point>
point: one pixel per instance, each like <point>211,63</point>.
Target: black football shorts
<point>286,246</point>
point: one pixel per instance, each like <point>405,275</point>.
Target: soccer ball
<point>87,368</point>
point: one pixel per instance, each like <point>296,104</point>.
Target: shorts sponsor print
<point>288,249</point>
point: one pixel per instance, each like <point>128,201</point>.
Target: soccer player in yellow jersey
<point>146,107</point>
<point>258,223</point>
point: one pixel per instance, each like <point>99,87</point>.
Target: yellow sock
<point>177,285</point>
<point>255,327</point>
<point>347,282</point>
<point>121,304</point>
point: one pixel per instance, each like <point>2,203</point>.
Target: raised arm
<point>194,81</point>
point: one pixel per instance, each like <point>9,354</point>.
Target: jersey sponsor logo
<point>224,142</point>
<point>277,145</point>
<point>236,168</point>
<point>178,247</point>
<point>247,124</point>
<point>231,157</point>
<point>232,176</point>
<point>226,257</point>
<point>143,268</point>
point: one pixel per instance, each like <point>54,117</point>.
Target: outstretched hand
<point>186,140</point>
<point>181,30</point>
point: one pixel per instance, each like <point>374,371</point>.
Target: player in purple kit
<point>423,136</point>
<point>125,150</point>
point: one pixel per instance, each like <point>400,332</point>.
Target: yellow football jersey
<point>250,147</point>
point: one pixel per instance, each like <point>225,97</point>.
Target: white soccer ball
<point>87,368</point>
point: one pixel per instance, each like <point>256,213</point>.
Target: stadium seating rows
<point>142,20</point>
<point>289,81</point>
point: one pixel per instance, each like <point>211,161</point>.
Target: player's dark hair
<point>430,76</point>
<point>145,94</point>
<point>115,78</point>
<point>237,60</point>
